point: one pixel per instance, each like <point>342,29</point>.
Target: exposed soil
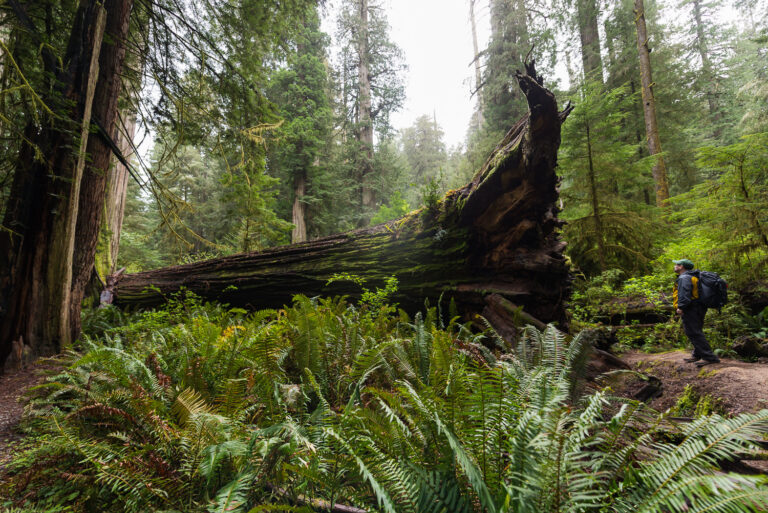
<point>13,384</point>
<point>742,386</point>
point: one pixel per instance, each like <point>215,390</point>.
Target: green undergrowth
<point>692,404</point>
<point>642,307</point>
<point>198,407</point>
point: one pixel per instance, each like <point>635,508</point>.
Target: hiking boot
<point>691,359</point>
<point>706,362</point>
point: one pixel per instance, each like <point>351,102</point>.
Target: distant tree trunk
<point>706,67</point>
<point>610,45</point>
<point>117,179</point>
<point>34,246</point>
<point>649,108</point>
<point>476,61</point>
<point>595,200</point>
<point>508,46</point>
<point>365,124</point>
<point>590,40</point>
<point>299,233</point>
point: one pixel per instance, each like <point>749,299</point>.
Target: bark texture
<point>33,256</point>
<point>491,246</point>
<point>60,276</point>
<point>590,40</point>
<point>114,201</point>
<point>649,107</point>
<point>299,211</point>
<point>365,121</point>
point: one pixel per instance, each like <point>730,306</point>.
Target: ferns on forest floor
<point>194,408</point>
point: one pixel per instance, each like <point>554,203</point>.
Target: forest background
<point>257,142</point>
<point>266,130</point>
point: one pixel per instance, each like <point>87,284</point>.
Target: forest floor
<point>736,386</point>
<point>740,386</point>
<point>13,384</point>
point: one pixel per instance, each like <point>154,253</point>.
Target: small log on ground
<point>495,236</point>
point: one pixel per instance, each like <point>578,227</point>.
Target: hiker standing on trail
<point>692,311</point>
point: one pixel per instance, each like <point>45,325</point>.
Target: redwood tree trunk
<point>489,247</point>
<point>590,40</point>
<point>299,233</point>
<point>365,128</point>
<point>649,107</point>
<point>32,269</point>
<point>114,202</point>
<point>93,190</point>
<point>476,61</point>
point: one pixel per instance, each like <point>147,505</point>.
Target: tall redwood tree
<point>58,190</point>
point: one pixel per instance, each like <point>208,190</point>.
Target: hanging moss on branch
<point>496,236</point>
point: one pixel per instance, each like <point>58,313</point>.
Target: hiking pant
<point>693,324</point>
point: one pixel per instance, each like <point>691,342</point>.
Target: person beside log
<point>692,310</point>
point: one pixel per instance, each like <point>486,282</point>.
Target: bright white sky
<point>436,38</point>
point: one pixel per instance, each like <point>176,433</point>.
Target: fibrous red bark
<point>492,242</point>
<point>33,249</point>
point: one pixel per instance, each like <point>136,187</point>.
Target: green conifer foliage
<point>299,148</point>
<point>509,44</point>
<point>603,184</point>
<point>731,207</point>
<point>424,150</point>
<point>370,85</point>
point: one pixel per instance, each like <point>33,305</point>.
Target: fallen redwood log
<point>496,236</point>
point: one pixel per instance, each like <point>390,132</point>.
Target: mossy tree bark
<point>491,246</point>
<point>114,200</point>
<point>42,274</point>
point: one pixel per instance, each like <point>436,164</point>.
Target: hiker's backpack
<point>713,290</point>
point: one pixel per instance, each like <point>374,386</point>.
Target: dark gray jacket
<point>686,290</point>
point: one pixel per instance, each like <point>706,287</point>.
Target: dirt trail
<point>742,386</point>
<point>13,384</point>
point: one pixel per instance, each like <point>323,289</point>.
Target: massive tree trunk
<point>649,108</point>
<point>590,40</point>
<point>42,274</point>
<point>491,246</point>
<point>365,121</point>
<point>114,201</point>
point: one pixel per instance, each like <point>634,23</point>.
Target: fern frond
<point>383,498</point>
<point>233,497</point>
<point>188,403</point>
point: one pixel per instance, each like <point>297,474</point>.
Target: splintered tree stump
<point>492,246</point>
